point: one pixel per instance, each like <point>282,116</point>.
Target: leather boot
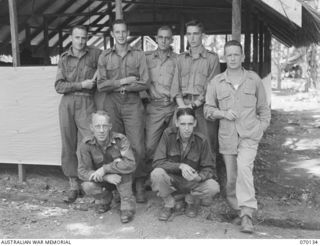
<point>246,224</point>
<point>71,196</point>
<point>165,213</point>
<point>126,216</point>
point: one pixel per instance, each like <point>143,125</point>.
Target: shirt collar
<point>191,139</point>
<point>156,53</point>
<point>70,51</point>
<point>92,140</point>
<point>129,48</point>
<point>243,78</point>
<point>202,52</point>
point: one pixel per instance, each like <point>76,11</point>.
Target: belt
<point>79,93</point>
<point>190,97</point>
<point>164,99</point>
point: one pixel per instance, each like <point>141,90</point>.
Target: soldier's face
<point>79,39</point>
<point>186,125</point>
<point>101,127</point>
<point>194,36</point>
<point>233,56</point>
<point>120,33</point>
<point>164,39</point>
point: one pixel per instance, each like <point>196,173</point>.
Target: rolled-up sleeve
<point>104,84</point>
<point>63,86</point>
<point>125,164</point>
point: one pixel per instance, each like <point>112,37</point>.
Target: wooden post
<point>247,39</point>
<point>255,43</point>
<point>21,173</point>
<point>267,51</point>
<point>111,19</point>
<point>119,12</point>
<point>46,41</point>
<point>182,23</point>
<point>14,33</point>
<point>28,37</point>
<point>261,56</point>
<point>104,41</point>
<point>142,42</point>
<point>236,20</point>
<point>60,41</point>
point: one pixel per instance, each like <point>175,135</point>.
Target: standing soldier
<point>76,81</point>
<point>122,74</point>
<point>161,64</point>
<point>195,68</point>
<point>237,97</point>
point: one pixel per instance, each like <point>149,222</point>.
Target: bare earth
<point>287,178</point>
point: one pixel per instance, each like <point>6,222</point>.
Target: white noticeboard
<point>29,124</point>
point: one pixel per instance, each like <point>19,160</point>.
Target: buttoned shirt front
<point>194,73</point>
<point>248,101</point>
<point>116,158</point>
<point>72,70</point>
<point>170,154</point>
<point>112,67</point>
<point>161,73</point>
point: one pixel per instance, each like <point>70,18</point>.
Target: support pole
<point>46,41</point>
<point>247,39</point>
<point>182,23</point>
<point>118,8</point>
<point>14,33</point>
<point>255,43</point>
<point>261,56</point>
<point>21,173</point>
<point>236,20</point>
<point>60,41</point>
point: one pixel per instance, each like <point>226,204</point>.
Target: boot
<point>246,224</point>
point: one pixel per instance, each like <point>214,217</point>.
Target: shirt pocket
<point>97,158</point>
<point>249,99</point>
<point>225,100</point>
<point>167,74</point>
<point>174,155</point>
<point>185,78</point>
<point>112,70</point>
<point>90,69</point>
<point>132,69</point>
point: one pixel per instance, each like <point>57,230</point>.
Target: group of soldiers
<point>112,141</point>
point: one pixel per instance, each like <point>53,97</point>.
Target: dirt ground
<point>287,179</point>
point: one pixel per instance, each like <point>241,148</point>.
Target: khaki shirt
<point>73,70</point>
<point>161,73</point>
<point>170,154</point>
<point>116,158</point>
<point>194,74</point>
<point>112,67</point>
<point>248,101</point>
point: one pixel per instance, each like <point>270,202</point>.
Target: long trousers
<point>126,113</point>
<point>240,187</point>
<point>102,192</point>
<point>158,117</point>
<point>165,184</point>
<point>74,117</point>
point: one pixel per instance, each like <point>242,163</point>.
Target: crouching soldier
<point>183,162</point>
<point>106,162</point>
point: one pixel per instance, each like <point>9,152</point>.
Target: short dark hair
<point>232,43</point>
<point>166,28</point>
<point>119,21</point>
<point>101,113</point>
<point>81,27</point>
<point>185,111</point>
<point>195,23</point>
